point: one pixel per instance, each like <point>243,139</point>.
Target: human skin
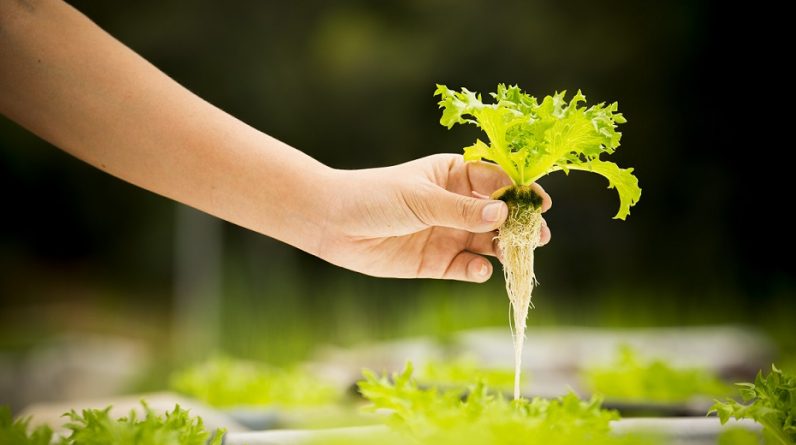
<point>68,81</point>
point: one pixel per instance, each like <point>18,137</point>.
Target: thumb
<point>453,210</point>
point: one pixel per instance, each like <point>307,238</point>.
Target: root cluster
<point>518,238</point>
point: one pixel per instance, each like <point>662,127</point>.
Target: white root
<point>517,239</point>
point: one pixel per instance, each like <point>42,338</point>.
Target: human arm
<point>68,81</point>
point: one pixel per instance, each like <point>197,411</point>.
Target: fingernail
<point>483,270</point>
<point>479,268</point>
<point>493,212</point>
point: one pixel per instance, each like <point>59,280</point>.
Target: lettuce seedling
<point>428,415</point>
<point>97,427</point>
<point>630,378</point>
<point>529,139</point>
<point>17,432</point>
<point>224,382</point>
<point>178,427</point>
<point>769,401</point>
<point>462,372</point>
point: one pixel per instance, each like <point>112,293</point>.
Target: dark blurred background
<point>351,83</point>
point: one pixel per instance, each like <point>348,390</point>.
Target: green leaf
<point>769,401</point>
<point>477,415</point>
<point>723,410</point>
<point>224,382</point>
<point>463,371</point>
<point>747,391</point>
<point>178,427</point>
<point>16,432</point>
<point>621,179</point>
<point>477,151</point>
<point>530,139</point>
<point>629,378</point>
<point>738,436</point>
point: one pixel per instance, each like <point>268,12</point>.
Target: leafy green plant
<point>96,427</point>
<point>462,372</point>
<point>769,401</point>
<point>224,382</point>
<point>178,427</point>
<point>633,379</point>
<point>738,436</point>
<point>529,139</point>
<point>442,417</point>
<point>17,432</point>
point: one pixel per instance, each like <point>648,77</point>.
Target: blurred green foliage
<point>463,372</point>
<point>738,436</point>
<point>631,378</point>
<point>226,383</point>
<point>18,432</point>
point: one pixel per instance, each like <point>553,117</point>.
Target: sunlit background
<point>106,288</point>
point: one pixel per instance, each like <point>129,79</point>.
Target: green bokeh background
<point>351,83</point>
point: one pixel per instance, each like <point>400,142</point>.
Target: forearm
<point>74,85</point>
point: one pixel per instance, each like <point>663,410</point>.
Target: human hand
<point>419,219</point>
<point>423,219</point>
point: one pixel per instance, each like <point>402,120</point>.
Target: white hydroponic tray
<point>674,431</point>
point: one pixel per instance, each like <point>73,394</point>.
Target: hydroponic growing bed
<point>445,398</point>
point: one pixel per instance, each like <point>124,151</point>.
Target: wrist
<point>318,203</point>
<point>330,190</point>
<point>274,190</point>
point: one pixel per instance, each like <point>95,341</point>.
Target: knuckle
<point>466,208</point>
<point>418,206</point>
